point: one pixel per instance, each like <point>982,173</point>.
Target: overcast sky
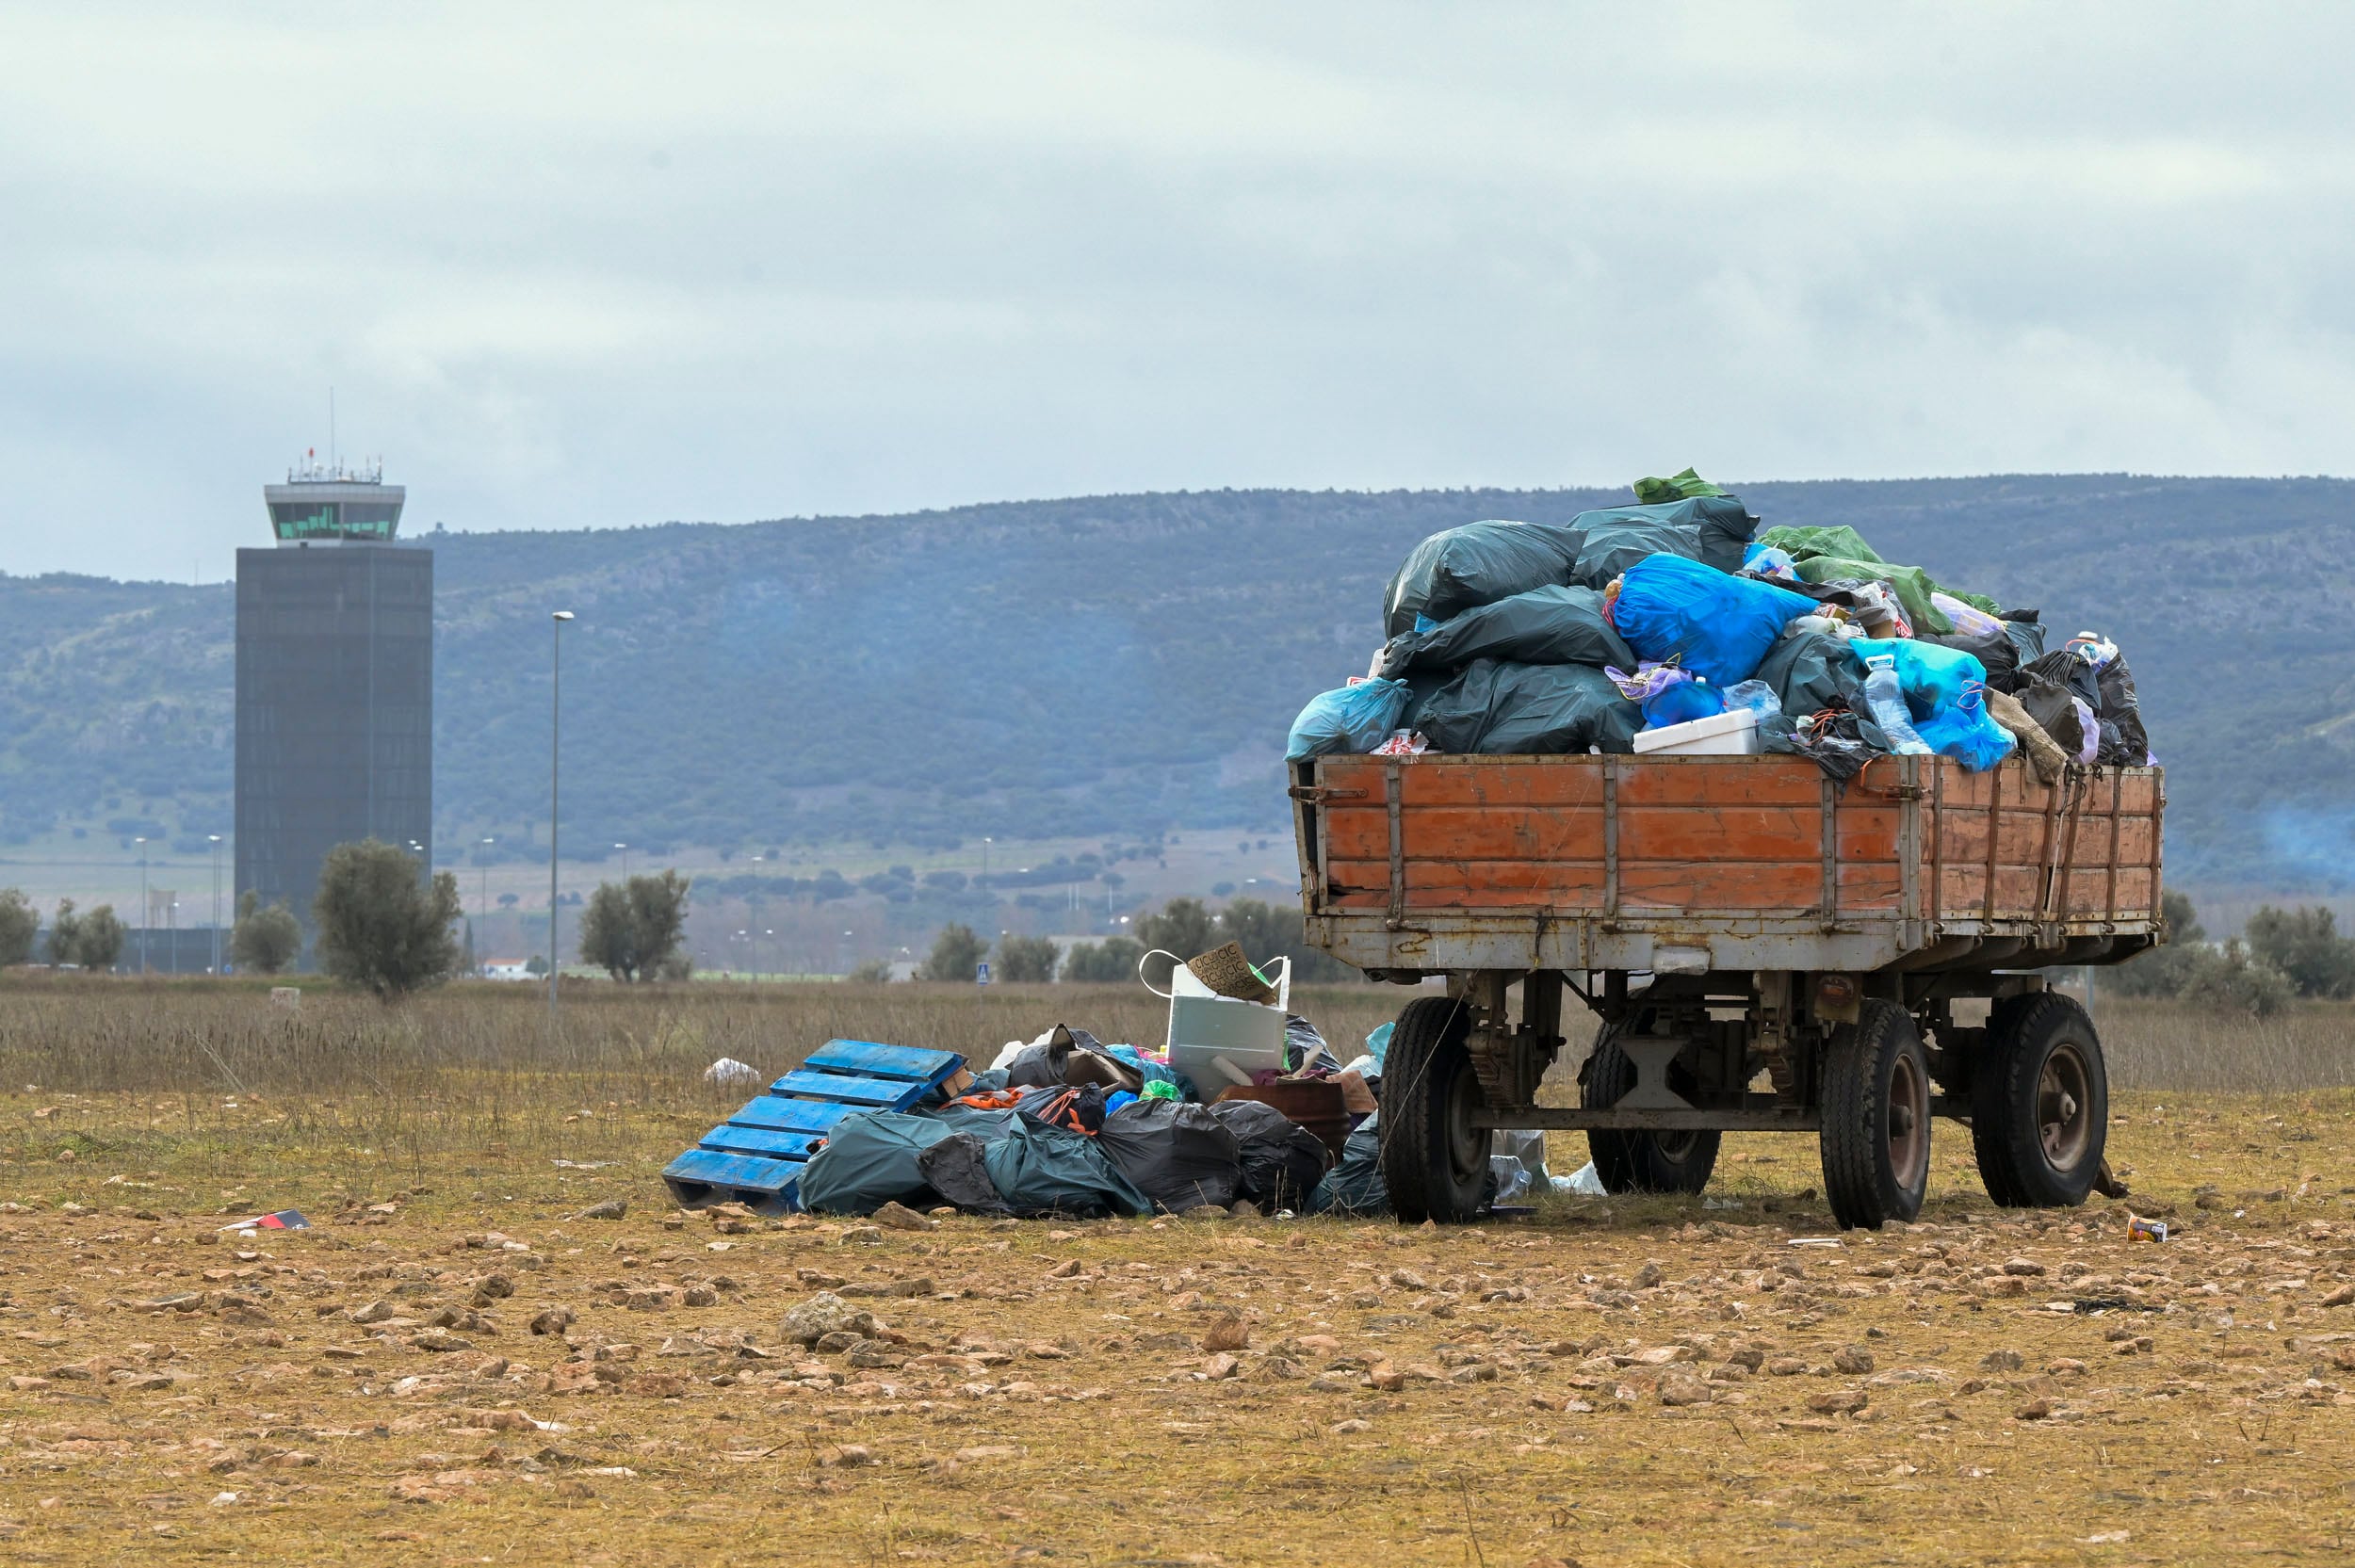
<point>579,266</point>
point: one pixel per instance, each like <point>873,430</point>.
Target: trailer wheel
<point>1876,1119</point>
<point>1641,1162</point>
<point>1434,1161</point>
<point>2039,1104</point>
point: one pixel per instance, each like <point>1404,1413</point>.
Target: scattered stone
<point>826,1313</point>
<point>2001,1361</point>
<point>1855,1360</point>
<point>612,1208</point>
<point>375,1312</point>
<point>1837,1401</point>
<point>1350,1428</point>
<point>1786,1366</point>
<point>1229,1334</point>
<point>848,1456</point>
<point>2024,1268</point>
<point>2034,1409</point>
<point>554,1321</point>
<point>1675,1388</point>
<point>1221,1366</point>
<point>900,1217</point>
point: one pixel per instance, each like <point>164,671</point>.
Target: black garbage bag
<point>1042,1172</point>
<point>2026,633</point>
<point>1080,1110</point>
<point>872,1159</point>
<point>1811,671</point>
<point>1282,1161</point>
<point>1478,564</point>
<point>1711,529</point>
<point>2063,668</point>
<point>1496,708</point>
<point>1355,1186</point>
<point>1997,654</point>
<point>1305,1047</point>
<point>957,1169</point>
<point>1179,1155</point>
<point>2051,704</point>
<point>2119,709</point>
<point>1832,746</point>
<point>1554,624</point>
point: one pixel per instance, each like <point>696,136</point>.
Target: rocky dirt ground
<point>481,1370</point>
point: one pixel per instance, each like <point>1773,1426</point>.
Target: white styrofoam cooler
<point>1731,734</point>
<point>1215,1040</point>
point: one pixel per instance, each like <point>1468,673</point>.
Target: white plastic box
<point>1217,1041</point>
<point>1731,734</point>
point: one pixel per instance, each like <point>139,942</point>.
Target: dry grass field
<point>1718,1380</point>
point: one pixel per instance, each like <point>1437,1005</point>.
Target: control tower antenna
<point>332,454</point>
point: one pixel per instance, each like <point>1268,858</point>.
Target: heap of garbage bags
<point>1579,637</point>
<point>1066,1126</point>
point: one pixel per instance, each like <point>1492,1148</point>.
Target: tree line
<point>2284,955</point>
<point>1185,926</point>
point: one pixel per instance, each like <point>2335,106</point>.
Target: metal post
<point>556,734</point>
<point>482,901</point>
<point>216,838</point>
<point>146,919</point>
<point>624,848</point>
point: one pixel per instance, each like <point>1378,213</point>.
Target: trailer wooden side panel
<point>1916,845</point>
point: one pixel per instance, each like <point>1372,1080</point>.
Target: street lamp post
<point>216,838</point>
<point>172,935</point>
<point>556,734</point>
<point>624,848</point>
<point>482,901</point>
<point>145,919</point>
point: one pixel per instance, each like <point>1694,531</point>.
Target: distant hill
<point>1119,665</point>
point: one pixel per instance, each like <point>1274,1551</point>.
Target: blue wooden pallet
<point>756,1156</point>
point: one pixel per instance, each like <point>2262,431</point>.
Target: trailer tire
<point>1640,1161</point>
<point>2039,1104</point>
<point>1434,1162</point>
<point>1876,1119</point>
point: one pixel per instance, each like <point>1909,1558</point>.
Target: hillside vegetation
<point>1119,665</point>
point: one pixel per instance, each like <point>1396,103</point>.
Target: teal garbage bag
<point>1554,624</point>
<point>1044,1172</point>
<point>1351,720</point>
<point>1945,691</point>
<point>1720,627</point>
<point>1711,529</point>
<point>1811,671</point>
<point>1831,554</point>
<point>870,1159</point>
<point>1493,708</point>
<point>1354,1187</point>
<point>1476,564</point>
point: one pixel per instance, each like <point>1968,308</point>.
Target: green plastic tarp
<point>1829,555</point>
<point>1680,487</point>
<point>869,1160</point>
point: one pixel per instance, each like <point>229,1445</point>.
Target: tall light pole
<point>556,735</point>
<point>144,917</point>
<point>624,848</point>
<point>482,900</point>
<point>216,838</point>
<point>985,843</point>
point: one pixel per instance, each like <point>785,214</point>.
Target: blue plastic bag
<point>1965,732</point>
<point>1680,703</point>
<point>1720,627</point>
<point>1351,721</point>
<point>1933,677</point>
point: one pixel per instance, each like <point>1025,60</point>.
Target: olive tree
<point>632,929</point>
<point>380,927</point>
<point>18,925</point>
<point>264,940</point>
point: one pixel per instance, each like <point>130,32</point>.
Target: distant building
<point>508,969</point>
<point>334,716</point>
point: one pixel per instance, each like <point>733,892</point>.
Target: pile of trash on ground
<point>1066,1126</point>
<point>1673,626</point>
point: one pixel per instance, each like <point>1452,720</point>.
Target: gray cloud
<point>602,265</point>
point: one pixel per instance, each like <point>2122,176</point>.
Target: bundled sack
<point>1810,672</point>
<point>1476,564</point>
<point>1043,1171</point>
<point>1078,1111</point>
<point>1180,1156</point>
<point>1828,555</point>
<point>1350,720</point>
<point>1492,708</point>
<point>1554,624</point>
<point>1720,627</point>
<point>870,1159</point>
<point>1281,1160</point>
<point>1713,530</point>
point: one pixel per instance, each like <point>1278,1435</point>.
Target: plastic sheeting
<point>1350,720</point>
<point>1828,555</point>
<point>1494,708</point>
<point>870,1159</point>
<point>1281,1160</point>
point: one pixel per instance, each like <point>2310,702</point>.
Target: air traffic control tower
<point>334,684</point>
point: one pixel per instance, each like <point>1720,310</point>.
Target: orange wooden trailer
<point>1768,951</point>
